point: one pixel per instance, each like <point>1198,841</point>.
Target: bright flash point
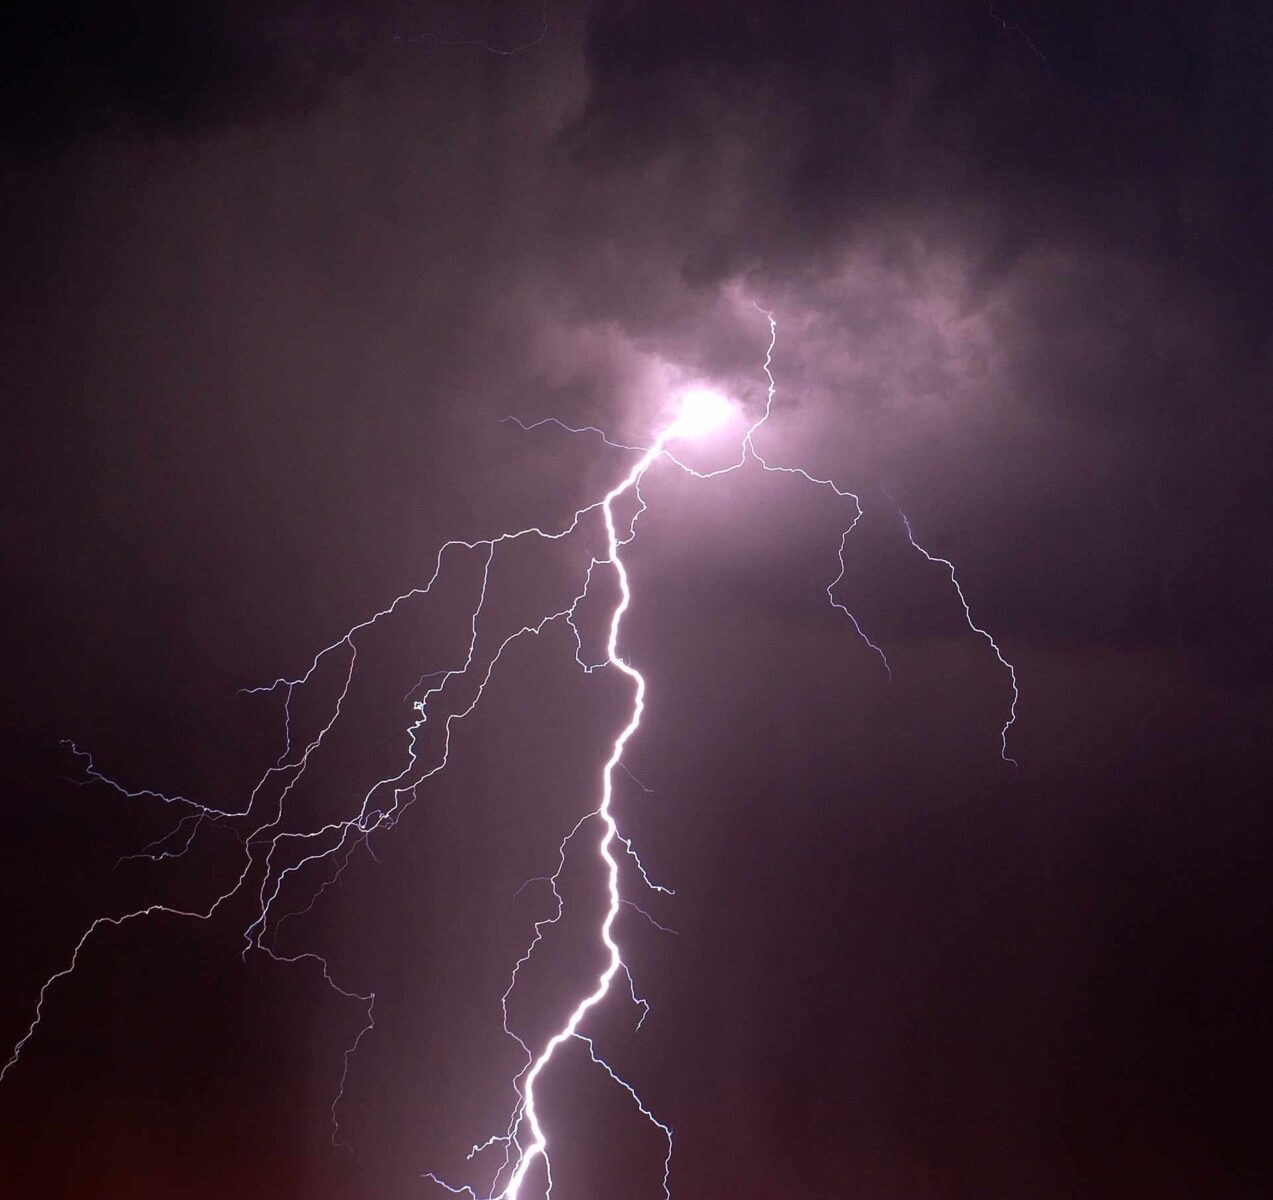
<point>701,410</point>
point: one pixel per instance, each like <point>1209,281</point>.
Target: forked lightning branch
<point>517,1159</point>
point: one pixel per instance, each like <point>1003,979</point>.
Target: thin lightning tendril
<point>452,694</point>
<point>985,633</point>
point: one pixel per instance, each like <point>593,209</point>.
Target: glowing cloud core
<point>700,412</point>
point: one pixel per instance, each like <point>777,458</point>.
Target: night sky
<point>274,274</point>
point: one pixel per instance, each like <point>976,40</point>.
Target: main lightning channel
<point>538,1145</point>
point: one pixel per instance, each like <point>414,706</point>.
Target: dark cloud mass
<point>75,71</point>
<point>275,272</point>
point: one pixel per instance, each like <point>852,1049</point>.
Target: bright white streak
<point>538,1146</point>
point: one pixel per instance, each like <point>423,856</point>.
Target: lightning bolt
<point>527,1117</point>
<point>277,856</point>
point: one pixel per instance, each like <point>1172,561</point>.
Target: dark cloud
<point>76,70</point>
<point>1098,180</point>
<point>930,110</point>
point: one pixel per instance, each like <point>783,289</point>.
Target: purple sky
<point>276,271</point>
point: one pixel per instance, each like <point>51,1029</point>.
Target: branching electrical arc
<point>273,855</point>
